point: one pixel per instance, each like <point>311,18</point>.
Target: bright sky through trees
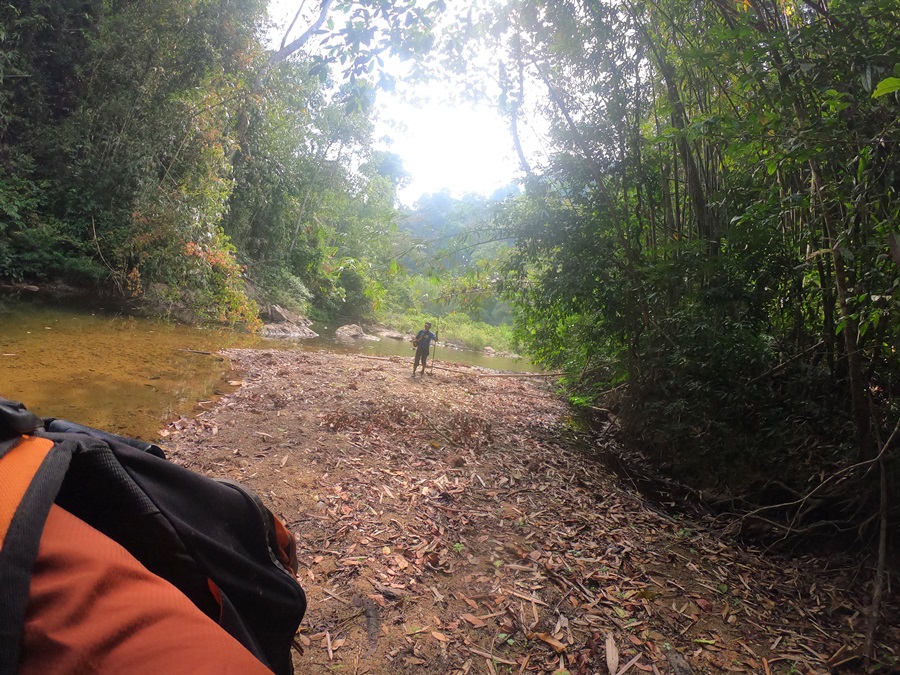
<point>457,147</point>
<point>443,145</point>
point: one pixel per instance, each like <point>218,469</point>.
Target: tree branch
<point>800,503</point>
<point>286,50</point>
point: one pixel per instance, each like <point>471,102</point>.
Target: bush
<point>279,286</point>
<point>47,252</point>
<point>703,405</point>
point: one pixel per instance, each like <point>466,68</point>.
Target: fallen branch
<point>493,657</point>
<point>452,370</point>
<point>522,375</point>
<point>609,391</point>
<point>335,596</point>
<point>803,500</point>
<point>878,459</point>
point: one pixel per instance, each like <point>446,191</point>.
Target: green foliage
<point>459,327</point>
<point>456,328</point>
<point>214,285</point>
<point>696,401</point>
<point>887,86</point>
<point>283,288</point>
<point>714,226</point>
<point>47,251</point>
<point>20,197</point>
<point>132,132</point>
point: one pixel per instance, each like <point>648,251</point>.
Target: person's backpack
<point>113,559</point>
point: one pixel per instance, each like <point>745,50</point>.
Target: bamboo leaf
<point>612,654</point>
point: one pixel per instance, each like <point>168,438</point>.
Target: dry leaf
<point>474,620</point>
<point>612,654</point>
<point>557,646</point>
<point>439,636</point>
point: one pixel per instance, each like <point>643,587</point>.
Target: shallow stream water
<point>129,375</point>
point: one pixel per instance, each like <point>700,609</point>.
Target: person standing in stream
<point>422,343</point>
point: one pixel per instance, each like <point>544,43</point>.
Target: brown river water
<point>130,375</point>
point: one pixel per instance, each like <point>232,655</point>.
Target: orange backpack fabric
<point>17,469</point>
<point>93,608</point>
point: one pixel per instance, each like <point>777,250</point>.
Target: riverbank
<point>447,524</point>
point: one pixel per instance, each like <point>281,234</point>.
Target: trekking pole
<point>433,352</point>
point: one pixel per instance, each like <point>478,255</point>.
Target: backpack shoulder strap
<point>31,472</point>
<point>18,467</point>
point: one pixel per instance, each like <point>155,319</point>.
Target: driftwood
<point>475,374</point>
<point>469,372</point>
<point>524,375</point>
<point>452,370</point>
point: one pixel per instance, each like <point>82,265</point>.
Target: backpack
<point>114,559</point>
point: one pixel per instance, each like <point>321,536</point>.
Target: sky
<point>457,147</point>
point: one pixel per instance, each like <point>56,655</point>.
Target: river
<point>129,375</point>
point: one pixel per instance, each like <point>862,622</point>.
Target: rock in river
<point>354,332</point>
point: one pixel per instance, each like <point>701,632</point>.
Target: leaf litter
<point>448,524</point>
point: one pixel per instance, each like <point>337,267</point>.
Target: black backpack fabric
<point>184,527</point>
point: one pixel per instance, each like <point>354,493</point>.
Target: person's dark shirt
<point>424,339</point>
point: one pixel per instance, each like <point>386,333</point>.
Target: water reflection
<point>128,374</point>
<point>117,372</point>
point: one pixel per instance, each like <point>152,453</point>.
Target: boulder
<point>453,344</point>
<point>353,332</point>
<point>287,330</point>
<point>278,314</point>
<point>393,335</point>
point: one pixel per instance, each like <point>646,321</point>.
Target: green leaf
<point>887,86</point>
